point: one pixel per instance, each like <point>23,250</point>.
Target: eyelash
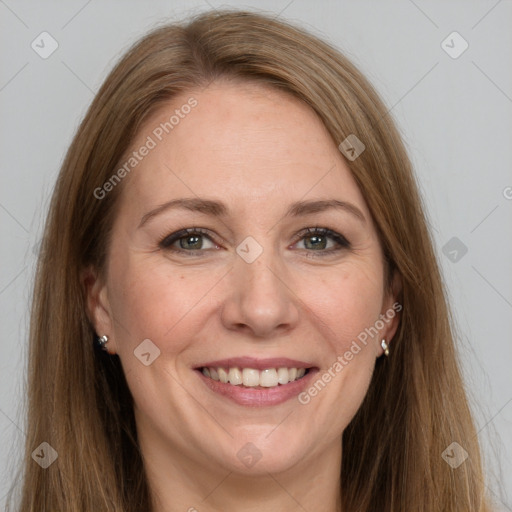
<point>343,243</point>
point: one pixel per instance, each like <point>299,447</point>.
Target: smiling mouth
<point>253,378</point>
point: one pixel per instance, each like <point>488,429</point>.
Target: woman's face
<point>281,273</point>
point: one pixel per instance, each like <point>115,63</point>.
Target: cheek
<point>149,302</point>
<point>346,303</point>
<point>344,308</point>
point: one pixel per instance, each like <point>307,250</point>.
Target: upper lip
<point>257,364</point>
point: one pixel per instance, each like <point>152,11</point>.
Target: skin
<point>257,150</point>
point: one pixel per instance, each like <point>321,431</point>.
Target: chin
<point>268,452</point>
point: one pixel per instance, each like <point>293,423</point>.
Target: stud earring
<point>102,342</point>
<point>385,347</point>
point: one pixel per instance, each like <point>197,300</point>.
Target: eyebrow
<point>219,209</point>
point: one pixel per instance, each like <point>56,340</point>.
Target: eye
<point>193,241</point>
<point>322,240</point>
<point>187,240</point>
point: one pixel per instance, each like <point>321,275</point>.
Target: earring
<point>102,342</point>
<point>385,347</point>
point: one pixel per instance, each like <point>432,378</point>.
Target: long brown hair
<point>78,399</point>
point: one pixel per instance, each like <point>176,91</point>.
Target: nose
<point>260,302</point>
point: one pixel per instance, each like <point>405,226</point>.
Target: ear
<point>390,314</point>
<point>97,306</point>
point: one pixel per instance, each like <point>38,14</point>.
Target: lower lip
<point>257,396</point>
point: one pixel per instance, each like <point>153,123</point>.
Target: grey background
<point>455,116</point>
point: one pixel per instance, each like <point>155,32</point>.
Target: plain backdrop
<point>454,110</point>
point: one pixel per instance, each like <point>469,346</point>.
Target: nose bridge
<point>259,298</point>
<point>262,275</point>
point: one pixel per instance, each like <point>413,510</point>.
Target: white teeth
<point>223,375</point>
<point>268,378</point>
<point>235,376</point>
<point>282,376</point>
<point>250,377</point>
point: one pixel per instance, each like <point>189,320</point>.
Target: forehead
<point>242,140</point>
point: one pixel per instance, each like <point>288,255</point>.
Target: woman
<point>237,229</point>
